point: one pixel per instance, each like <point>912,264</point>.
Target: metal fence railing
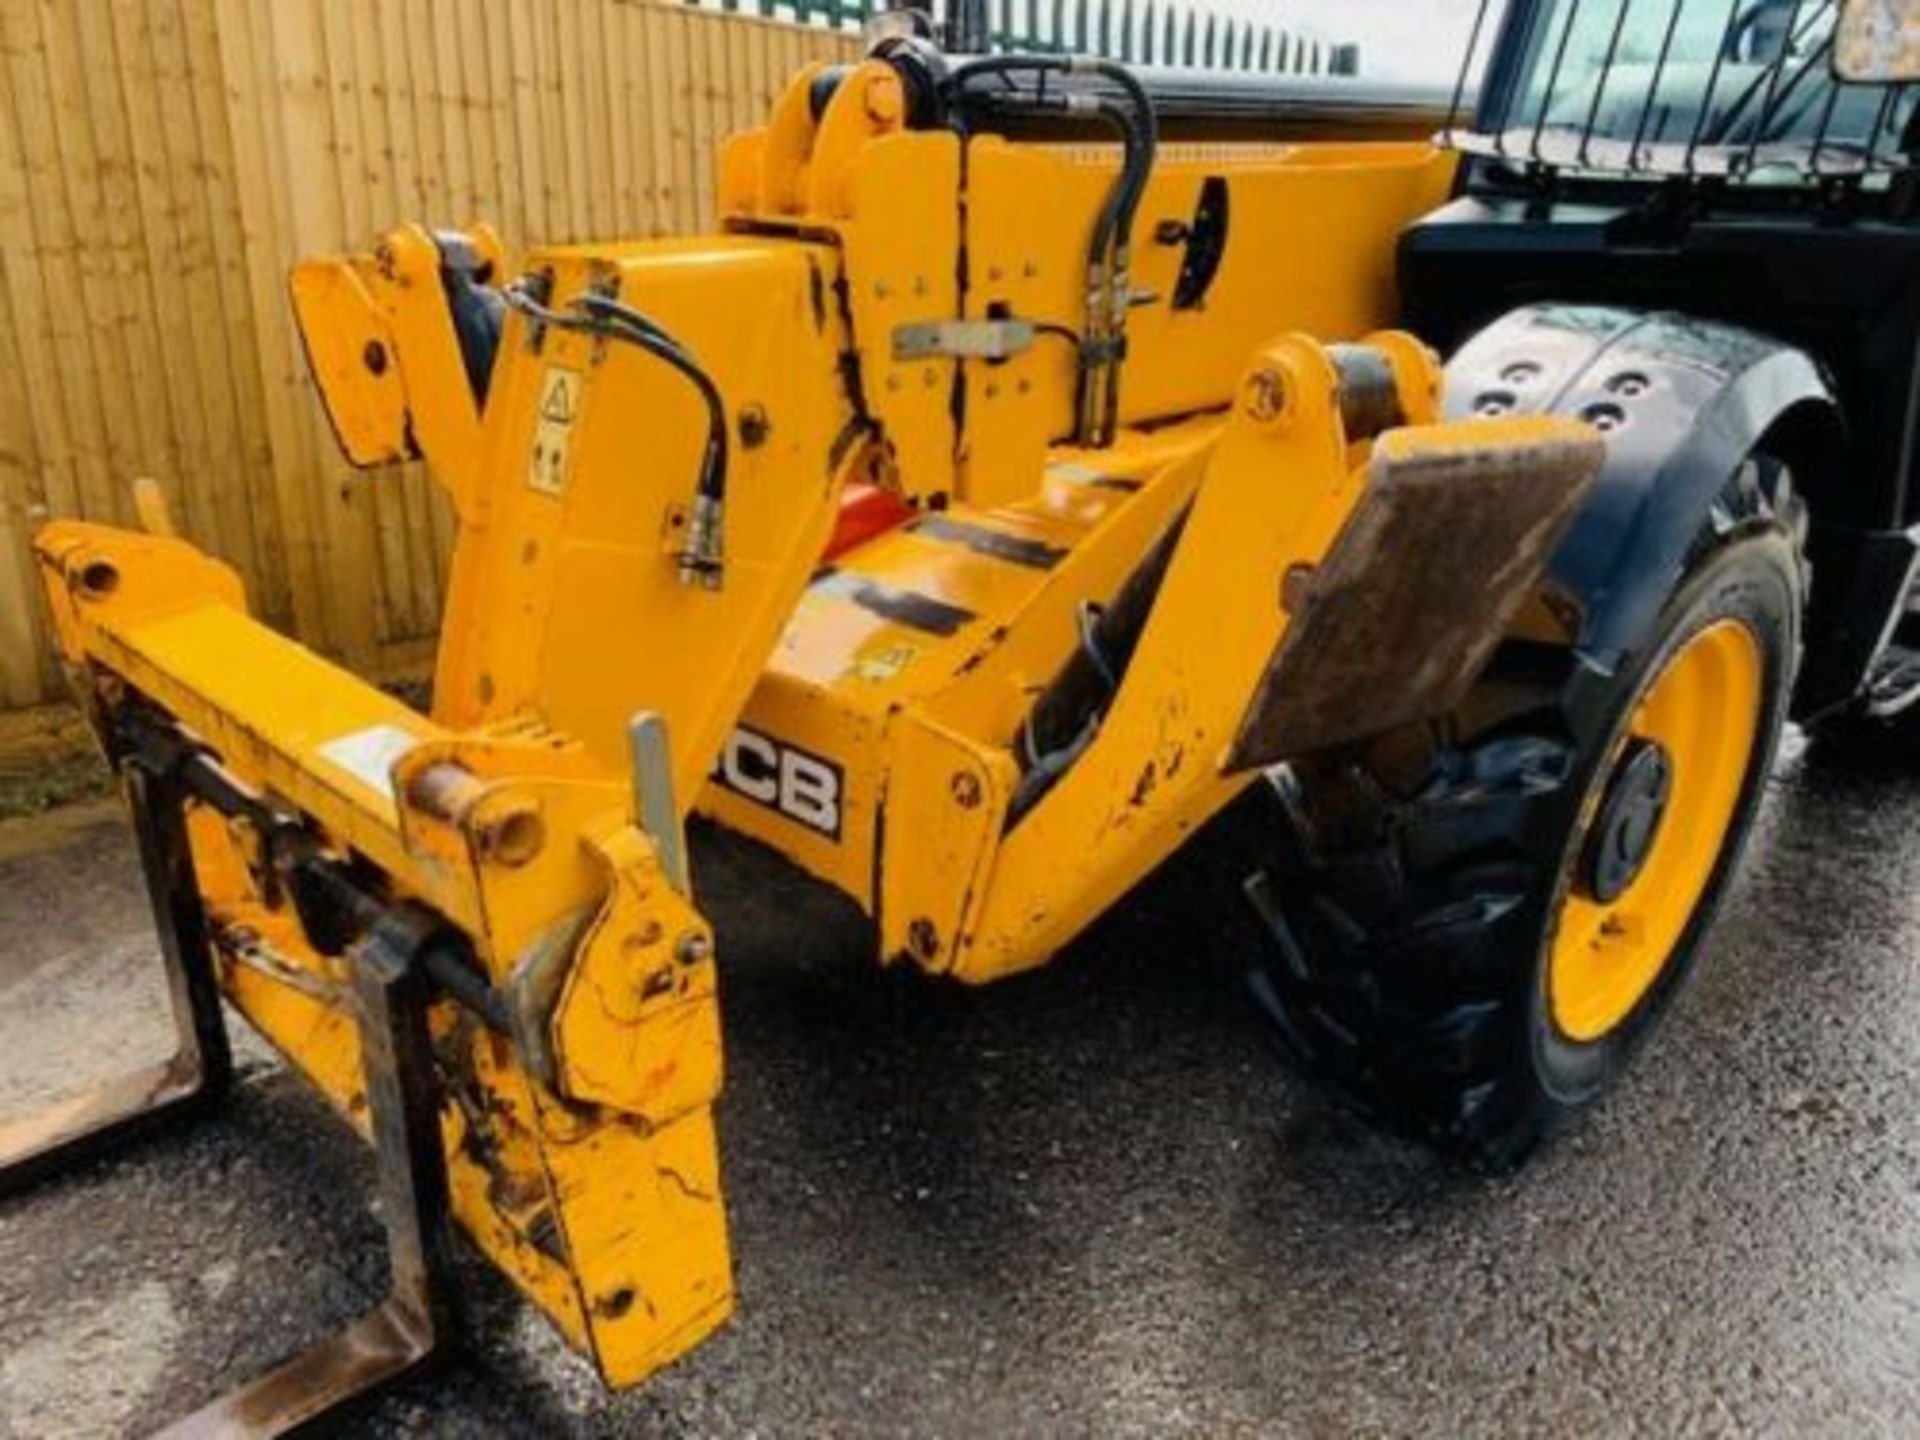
<point>1144,32</point>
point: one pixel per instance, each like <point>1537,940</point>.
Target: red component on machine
<point>865,511</point>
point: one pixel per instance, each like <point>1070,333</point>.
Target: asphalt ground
<point>1088,1202</point>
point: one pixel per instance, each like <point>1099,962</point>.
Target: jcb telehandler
<point>986,512</point>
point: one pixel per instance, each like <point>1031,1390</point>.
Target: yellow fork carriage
<point>973,518</point>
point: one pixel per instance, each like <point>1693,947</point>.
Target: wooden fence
<point>162,162</point>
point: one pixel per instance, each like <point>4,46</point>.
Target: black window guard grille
<point>1670,87</point>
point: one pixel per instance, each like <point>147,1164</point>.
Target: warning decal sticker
<point>550,462</point>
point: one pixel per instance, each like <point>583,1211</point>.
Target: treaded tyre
<point>1473,923</point>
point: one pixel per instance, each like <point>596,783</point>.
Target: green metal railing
<point>1144,32</point>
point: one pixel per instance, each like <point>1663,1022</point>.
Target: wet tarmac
<point>1083,1203</point>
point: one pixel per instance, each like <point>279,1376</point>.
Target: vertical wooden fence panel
<point>24,672</point>
<point>163,163</point>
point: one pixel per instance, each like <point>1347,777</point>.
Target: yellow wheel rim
<point>1660,815</point>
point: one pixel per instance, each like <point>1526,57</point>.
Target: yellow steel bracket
<point>891,200</point>
<point>798,164</point>
<point>381,345</point>
<point>1339,558</point>
<point>946,805</point>
<point>1275,491</point>
<point>787,146</point>
<point>869,105</point>
<point>577,1120</point>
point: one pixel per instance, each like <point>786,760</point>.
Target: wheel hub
<point>1629,819</point>
<point>1660,823</point>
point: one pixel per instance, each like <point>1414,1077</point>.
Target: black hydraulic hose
<point>603,315</point>
<point>702,561</point>
<point>1140,128</point>
<point>639,330</point>
<point>1102,403</point>
<point>594,303</point>
<point>1069,66</point>
<point>1066,717</point>
<point>1109,257</point>
<point>1113,226</point>
<point>1097,404</point>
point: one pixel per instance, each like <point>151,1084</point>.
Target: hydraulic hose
<point>702,561</point>
<point>1066,717</point>
<point>1109,256</point>
<point>1136,121</point>
<point>1108,268</point>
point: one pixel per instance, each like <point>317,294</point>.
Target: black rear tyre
<point>1417,884</point>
